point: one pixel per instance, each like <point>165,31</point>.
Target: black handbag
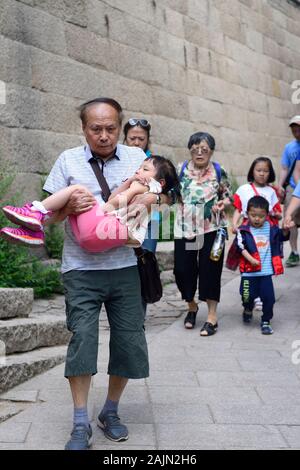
<point>151,287</point>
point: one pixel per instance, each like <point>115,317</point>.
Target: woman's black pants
<point>195,264</point>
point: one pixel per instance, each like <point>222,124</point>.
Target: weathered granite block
<point>15,302</point>
<point>16,369</point>
<point>33,333</point>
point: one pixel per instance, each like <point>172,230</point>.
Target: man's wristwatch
<point>158,199</point>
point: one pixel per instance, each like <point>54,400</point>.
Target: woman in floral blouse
<point>206,191</point>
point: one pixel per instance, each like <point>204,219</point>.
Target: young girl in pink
<point>103,227</point>
<point>260,175</point>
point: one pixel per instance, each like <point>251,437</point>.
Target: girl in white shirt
<point>260,175</point>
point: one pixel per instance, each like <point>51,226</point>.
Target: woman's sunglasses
<point>139,122</point>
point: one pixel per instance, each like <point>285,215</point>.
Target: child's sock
<point>81,416</point>
<point>38,206</point>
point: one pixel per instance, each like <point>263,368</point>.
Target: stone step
<point>26,334</point>
<point>15,302</point>
<point>17,368</point>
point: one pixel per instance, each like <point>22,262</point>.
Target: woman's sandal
<point>209,328</point>
<point>190,320</point>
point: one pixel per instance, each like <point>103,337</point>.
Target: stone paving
<point>235,390</point>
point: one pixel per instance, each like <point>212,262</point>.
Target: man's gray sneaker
<point>112,427</point>
<point>81,438</point>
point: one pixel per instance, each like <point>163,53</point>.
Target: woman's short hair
<point>272,176</point>
<point>196,138</point>
<point>83,108</point>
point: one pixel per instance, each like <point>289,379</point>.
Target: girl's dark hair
<point>196,138</point>
<point>113,103</point>
<point>272,176</point>
<point>166,170</point>
<point>258,202</point>
<point>128,126</point>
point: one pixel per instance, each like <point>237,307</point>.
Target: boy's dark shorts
<point>119,289</point>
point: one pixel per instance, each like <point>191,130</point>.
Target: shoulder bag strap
<point>106,192</point>
<point>291,171</point>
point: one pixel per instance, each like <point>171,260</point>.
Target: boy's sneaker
<point>293,260</point>
<point>247,316</point>
<point>81,438</point>
<point>112,427</point>
<point>23,236</point>
<point>25,216</point>
<point>266,328</point>
<point>258,305</point>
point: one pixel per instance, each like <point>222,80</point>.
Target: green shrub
<point>166,226</point>
<point>18,267</point>
<point>54,240</point>
<point>234,183</point>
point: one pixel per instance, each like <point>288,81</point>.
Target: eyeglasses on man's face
<point>139,122</point>
<point>202,150</point>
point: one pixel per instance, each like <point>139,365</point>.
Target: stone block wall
<point>225,66</point>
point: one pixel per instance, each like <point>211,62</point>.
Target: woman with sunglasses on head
<point>137,134</point>
<point>206,191</point>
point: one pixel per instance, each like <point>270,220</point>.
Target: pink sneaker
<point>23,236</point>
<point>25,216</point>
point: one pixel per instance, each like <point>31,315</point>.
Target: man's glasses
<point>139,122</point>
<point>196,150</point>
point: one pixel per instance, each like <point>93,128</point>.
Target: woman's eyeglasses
<point>139,122</point>
<point>196,150</point>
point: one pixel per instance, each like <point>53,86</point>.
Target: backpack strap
<point>217,167</point>
<point>184,165</point>
<point>254,189</point>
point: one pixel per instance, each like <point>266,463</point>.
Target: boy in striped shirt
<point>258,243</point>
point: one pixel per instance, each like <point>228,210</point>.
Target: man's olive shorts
<point>119,289</point>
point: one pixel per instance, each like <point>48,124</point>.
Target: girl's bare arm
<point>235,220</point>
<point>121,199</point>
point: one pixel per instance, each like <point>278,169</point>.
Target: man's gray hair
<point>113,103</point>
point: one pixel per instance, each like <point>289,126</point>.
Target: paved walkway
<point>234,390</point>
